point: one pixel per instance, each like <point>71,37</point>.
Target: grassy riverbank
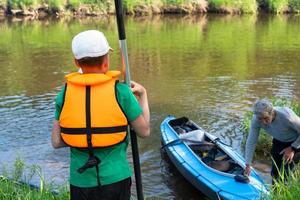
<point>264,142</point>
<point>282,6</point>
<point>233,6</point>
<point>14,184</point>
<point>288,189</point>
<point>11,190</point>
<point>43,8</point>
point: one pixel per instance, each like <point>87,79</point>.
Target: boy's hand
<point>137,89</point>
<point>142,123</point>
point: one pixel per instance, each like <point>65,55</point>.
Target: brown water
<point>209,68</point>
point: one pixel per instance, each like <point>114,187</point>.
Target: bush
<point>249,6</point>
<point>130,4</point>
<point>73,4</point>
<point>55,5</point>
<point>233,6</point>
<point>295,5</point>
<point>278,6</point>
<point>21,4</point>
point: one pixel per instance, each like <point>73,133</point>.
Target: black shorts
<point>115,191</point>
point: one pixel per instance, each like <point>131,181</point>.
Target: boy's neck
<point>93,70</point>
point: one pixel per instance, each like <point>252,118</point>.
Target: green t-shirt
<point>114,166</point>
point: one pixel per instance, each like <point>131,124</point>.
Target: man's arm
<point>251,144</point>
<point>56,139</point>
<point>295,124</point>
<point>251,141</point>
<point>142,123</point>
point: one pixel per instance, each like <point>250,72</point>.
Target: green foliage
<point>287,188</point>
<point>277,6</point>
<point>30,3</point>
<point>18,169</point>
<point>295,5</point>
<point>174,2</point>
<point>96,4</point>
<point>217,4</point>
<point>130,4</point>
<point>55,4</point>
<point>227,6</point>
<point>264,142</point>
<point>73,4</point>
<point>22,4</point>
<point>249,6</point>
<point>233,6</point>
<point>14,4</point>
<point>11,189</point>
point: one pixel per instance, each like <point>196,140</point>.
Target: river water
<point>209,68</point>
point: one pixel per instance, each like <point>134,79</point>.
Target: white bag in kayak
<point>195,135</point>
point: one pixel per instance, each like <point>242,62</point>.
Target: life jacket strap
<point>93,161</point>
<point>94,130</point>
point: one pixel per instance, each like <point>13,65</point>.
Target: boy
<point>92,114</point>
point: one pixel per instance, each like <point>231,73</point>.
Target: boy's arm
<point>142,123</point>
<point>56,139</point>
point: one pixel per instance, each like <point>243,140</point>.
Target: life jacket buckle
<point>92,162</point>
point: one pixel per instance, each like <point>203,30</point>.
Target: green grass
<point>12,190</point>
<point>287,188</point>
<point>16,188</point>
<point>264,142</point>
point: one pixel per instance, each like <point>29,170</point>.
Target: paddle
<point>134,144</point>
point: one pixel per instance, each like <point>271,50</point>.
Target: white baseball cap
<point>91,43</point>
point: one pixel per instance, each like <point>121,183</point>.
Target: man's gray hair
<point>262,107</point>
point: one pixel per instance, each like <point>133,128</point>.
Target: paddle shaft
<point>124,56</point>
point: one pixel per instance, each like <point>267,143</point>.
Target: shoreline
<point>79,10</point>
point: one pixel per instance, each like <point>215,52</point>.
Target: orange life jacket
<point>91,112</point>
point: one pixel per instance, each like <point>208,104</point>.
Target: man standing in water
<point>93,111</point>
<point>284,126</point>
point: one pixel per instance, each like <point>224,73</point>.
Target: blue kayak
<point>210,165</point>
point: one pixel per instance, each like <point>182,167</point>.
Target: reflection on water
<point>209,68</point>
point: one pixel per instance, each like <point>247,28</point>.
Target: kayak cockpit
<point>205,148</point>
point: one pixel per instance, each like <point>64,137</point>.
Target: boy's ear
<point>106,63</point>
<point>76,62</point>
